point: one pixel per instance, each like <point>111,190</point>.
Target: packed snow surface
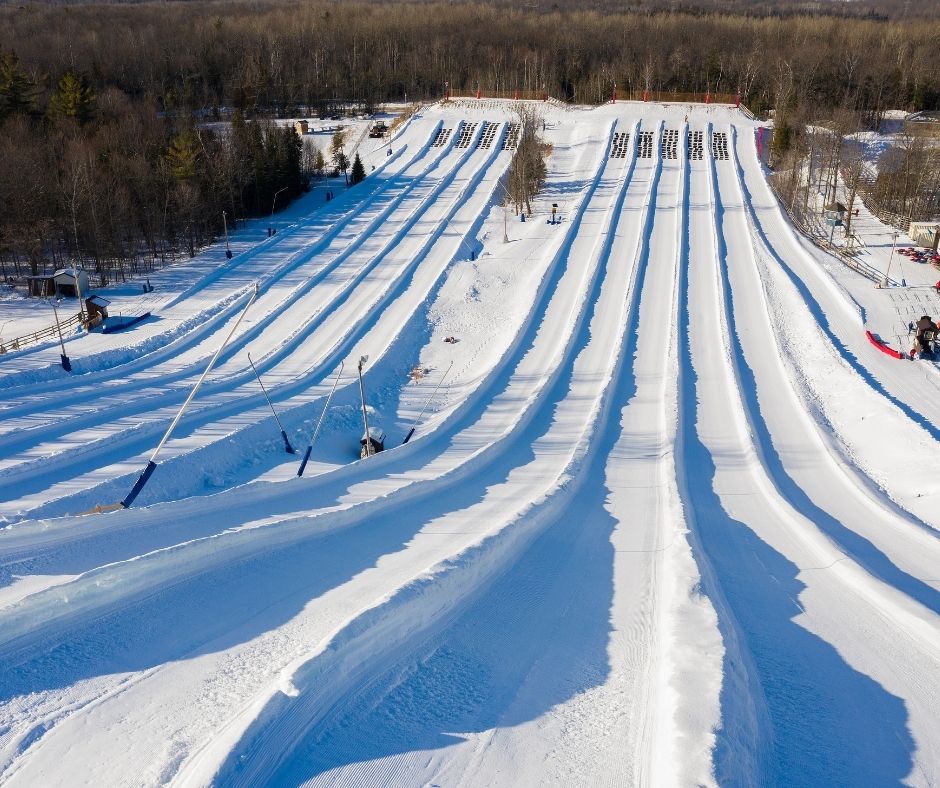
<point>667,516</point>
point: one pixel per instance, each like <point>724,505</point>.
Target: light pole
<point>895,235</point>
<point>273,231</point>
<point>365,415</point>
<point>228,250</point>
<point>66,364</point>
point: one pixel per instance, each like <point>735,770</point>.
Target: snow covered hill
<point>670,519</point>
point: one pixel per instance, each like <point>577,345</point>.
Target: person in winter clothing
<point>926,335</point>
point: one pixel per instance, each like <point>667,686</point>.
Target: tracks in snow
<point>517,592</point>
<point>774,554</point>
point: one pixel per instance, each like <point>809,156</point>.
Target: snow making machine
<point>372,442</point>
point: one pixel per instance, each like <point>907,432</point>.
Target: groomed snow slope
<point>670,520</point>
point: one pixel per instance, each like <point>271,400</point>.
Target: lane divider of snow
<point>132,357</point>
<point>213,413</point>
<point>118,584</point>
<point>309,691</point>
<point>463,415</point>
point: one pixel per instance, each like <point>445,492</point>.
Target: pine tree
<point>182,155</point>
<point>73,98</point>
<point>358,174</point>
<point>17,91</point>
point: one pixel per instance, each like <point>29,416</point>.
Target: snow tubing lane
<point>883,347</point>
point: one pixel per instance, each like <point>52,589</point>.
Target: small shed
<point>41,286</point>
<point>925,233</point>
<point>301,127</point>
<point>71,282</point>
<point>97,308</point>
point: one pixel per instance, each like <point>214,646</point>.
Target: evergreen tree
<point>358,174</point>
<point>73,98</point>
<point>782,139</point>
<point>182,155</point>
<point>17,91</point>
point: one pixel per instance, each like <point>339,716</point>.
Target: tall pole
<point>66,364</point>
<point>287,447</point>
<point>271,229</point>
<point>228,249</point>
<point>891,258</point>
<point>414,424</point>
<point>78,290</point>
<point>316,432</point>
<point>152,462</point>
<point>274,201</point>
<point>365,415</point>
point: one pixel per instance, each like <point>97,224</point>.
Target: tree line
<point>112,183</point>
<point>126,129</point>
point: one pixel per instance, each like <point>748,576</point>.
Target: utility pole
<point>365,415</point>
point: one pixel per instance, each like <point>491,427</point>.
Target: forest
<point>108,152</point>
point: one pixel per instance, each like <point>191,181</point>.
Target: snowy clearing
<point>671,519</point>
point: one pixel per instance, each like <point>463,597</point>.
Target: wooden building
<point>41,286</point>
<point>97,308</point>
<point>71,282</point>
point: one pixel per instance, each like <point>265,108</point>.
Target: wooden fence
<point>651,96</point>
<point>51,332</point>
<point>813,229</point>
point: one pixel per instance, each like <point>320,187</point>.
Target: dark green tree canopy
<point>17,90</point>
<point>73,98</point>
<point>358,173</point>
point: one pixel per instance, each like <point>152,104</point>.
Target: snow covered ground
<point>670,519</point>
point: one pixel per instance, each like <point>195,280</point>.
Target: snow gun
<point>316,432</point>
<point>152,462</point>
<point>414,424</point>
